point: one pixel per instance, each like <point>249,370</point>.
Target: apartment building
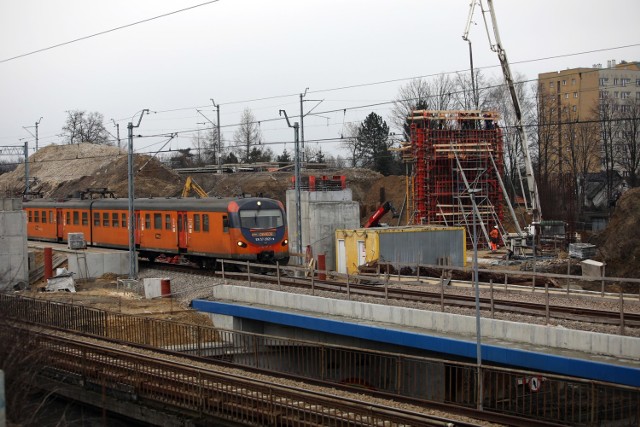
<point>571,104</point>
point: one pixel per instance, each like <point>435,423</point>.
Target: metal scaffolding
<point>457,160</point>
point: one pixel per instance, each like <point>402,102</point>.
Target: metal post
<point>218,129</point>
<point>297,181</point>
<point>26,168</point>
<point>477,286</point>
<point>37,123</point>
<point>133,273</point>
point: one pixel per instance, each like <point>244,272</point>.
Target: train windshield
<point>262,218</point>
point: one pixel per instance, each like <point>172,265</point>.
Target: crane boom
<point>524,146</point>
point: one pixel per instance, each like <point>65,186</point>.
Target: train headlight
<point>242,244</point>
<point>285,242</point>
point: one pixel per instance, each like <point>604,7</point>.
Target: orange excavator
<point>374,220</point>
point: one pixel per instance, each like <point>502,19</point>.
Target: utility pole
<point>37,123</point>
<point>117,125</point>
<point>26,168</point>
<point>36,135</point>
<point>219,138</point>
<point>302,95</point>
<point>132,222</point>
<point>297,181</point>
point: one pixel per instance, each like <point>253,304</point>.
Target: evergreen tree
<point>373,136</point>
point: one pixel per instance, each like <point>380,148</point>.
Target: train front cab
<point>258,228</point>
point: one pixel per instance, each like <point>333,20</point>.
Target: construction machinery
<point>190,185</point>
<point>374,220</point>
<point>518,239</point>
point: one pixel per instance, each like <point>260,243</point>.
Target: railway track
<point>207,392</point>
<point>424,296</point>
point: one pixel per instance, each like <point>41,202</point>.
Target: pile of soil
<point>619,244</point>
<point>62,170</point>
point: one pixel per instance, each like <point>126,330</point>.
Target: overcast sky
<point>240,51</point>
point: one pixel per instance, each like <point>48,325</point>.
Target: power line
<point>164,15</point>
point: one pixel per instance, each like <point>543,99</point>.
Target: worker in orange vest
<point>494,235</point>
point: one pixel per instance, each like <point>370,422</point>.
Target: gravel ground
<point>186,287</point>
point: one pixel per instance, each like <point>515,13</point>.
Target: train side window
<point>114,220</point>
<point>225,223</point>
<point>157,221</point>
<point>68,218</point>
<point>76,219</point>
<point>85,218</point>
<point>105,219</point>
<point>52,218</point>
<point>196,222</point>
<point>36,216</point>
<point>205,223</point>
<point>167,222</point>
<point>30,216</point>
<point>123,220</point>
<point>44,217</point>
<point>96,219</point>
<point>147,221</point>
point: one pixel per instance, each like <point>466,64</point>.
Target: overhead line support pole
<point>132,223</point>
<point>297,181</point>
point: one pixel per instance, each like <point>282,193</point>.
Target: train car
<point>202,230</point>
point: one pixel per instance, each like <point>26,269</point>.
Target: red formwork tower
<point>456,154</point>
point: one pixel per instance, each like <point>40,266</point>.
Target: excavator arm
<point>191,185</point>
<point>374,220</point>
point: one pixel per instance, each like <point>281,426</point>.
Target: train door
<point>60,224</point>
<point>183,228</point>
<point>137,227</point>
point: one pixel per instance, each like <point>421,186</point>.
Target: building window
<point>575,94</point>
<point>96,219</point>
<point>85,218</point>
<point>167,222</point>
<point>551,85</point>
<point>603,81</point>
<point>564,83</point>
<point>616,95</point>
<point>616,82</point>
<point>625,95</point>
<point>196,222</point>
<point>625,81</point>
<point>205,223</point>
<point>638,96</point>
<point>573,82</point>
<point>566,96</point>
<point>604,94</point>
<point>574,108</point>
<point>157,221</point>
<point>624,108</point>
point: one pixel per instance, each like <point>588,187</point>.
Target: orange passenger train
<point>201,230</point>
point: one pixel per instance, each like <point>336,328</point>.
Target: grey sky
<point>240,50</point>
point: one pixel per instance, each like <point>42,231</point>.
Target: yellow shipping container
<point>400,245</point>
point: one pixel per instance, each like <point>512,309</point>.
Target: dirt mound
<point>369,188</point>
<point>619,243</point>
<point>61,170</point>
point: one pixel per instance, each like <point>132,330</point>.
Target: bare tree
<point>628,145</point>
<point>421,94</point>
<point>81,126</point>
<point>607,111</point>
<point>205,144</point>
<point>498,99</point>
<point>353,144</point>
<point>464,97</point>
<point>247,137</point>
